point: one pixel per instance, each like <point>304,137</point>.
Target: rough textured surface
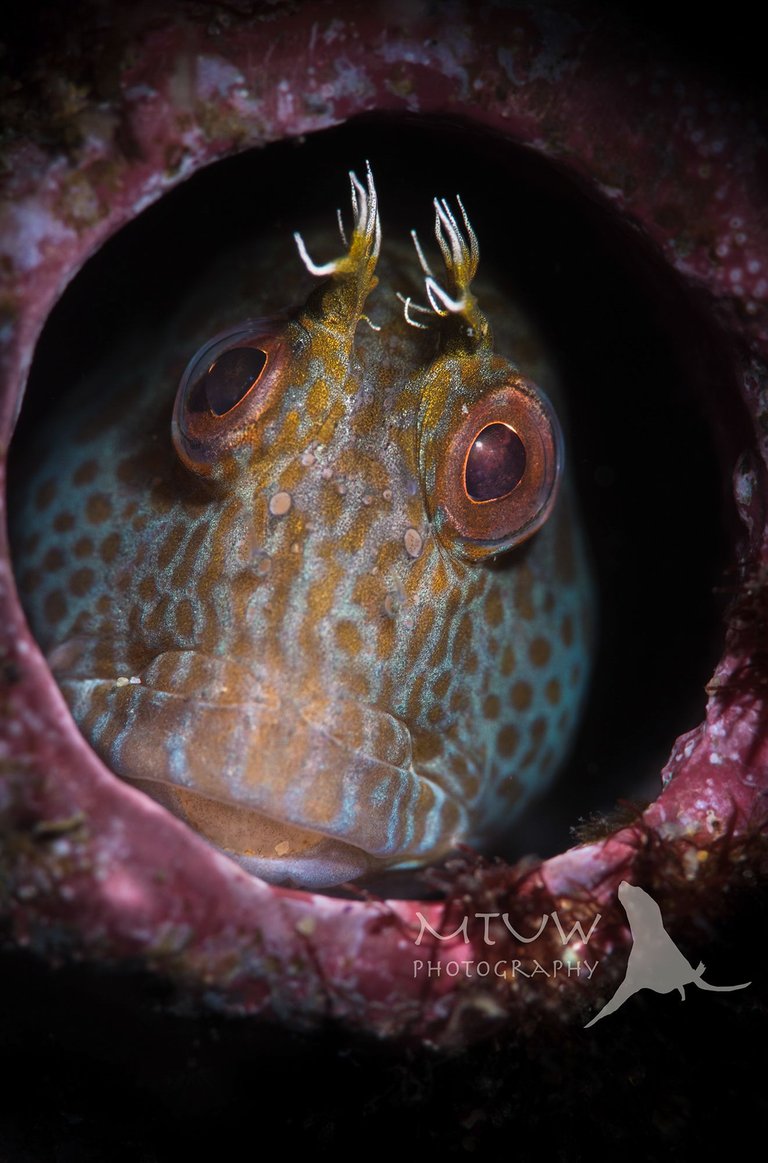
<point>89,866</point>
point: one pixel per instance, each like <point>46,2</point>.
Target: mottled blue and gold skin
<point>284,616</point>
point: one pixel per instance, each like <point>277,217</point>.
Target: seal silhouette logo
<point>655,962</point>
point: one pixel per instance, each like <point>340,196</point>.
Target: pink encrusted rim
<point>87,857</point>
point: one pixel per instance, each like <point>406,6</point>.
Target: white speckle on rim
<point>744,488</point>
<point>691,863</point>
<point>280,504</point>
<point>350,81</point>
<point>28,229</point>
<point>123,890</point>
<point>284,100</point>
<point>336,30</point>
<point>140,92</point>
<point>283,848</point>
<point>216,77</point>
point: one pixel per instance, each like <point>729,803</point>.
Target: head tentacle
<point>366,231</point>
<point>461,256</point>
<point>451,298</point>
<point>408,306</point>
<point>352,274</point>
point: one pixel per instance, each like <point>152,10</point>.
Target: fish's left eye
<point>498,473</point>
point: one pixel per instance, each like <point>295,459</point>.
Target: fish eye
<point>498,479</point>
<point>495,463</point>
<point>226,387</point>
<point>227,380</point>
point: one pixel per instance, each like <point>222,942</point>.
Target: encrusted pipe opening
<point>644,374</point>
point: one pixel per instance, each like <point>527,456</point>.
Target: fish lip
<point>250,737</point>
<point>285,854</point>
<point>204,734</point>
<point>68,779</point>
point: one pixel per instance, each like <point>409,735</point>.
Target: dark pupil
<point>495,464</point>
<point>231,377</point>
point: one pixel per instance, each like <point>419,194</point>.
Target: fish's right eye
<point>498,474</point>
<point>226,388</point>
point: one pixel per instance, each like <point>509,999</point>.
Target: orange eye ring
<point>226,387</point>
<point>527,461</point>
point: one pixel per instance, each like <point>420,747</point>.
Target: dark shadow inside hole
<point>643,366</point>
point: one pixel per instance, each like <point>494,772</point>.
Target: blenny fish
<point>324,595</point>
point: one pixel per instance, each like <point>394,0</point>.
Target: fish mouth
<point>150,866</point>
<point>276,850</point>
<point>305,790</point>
